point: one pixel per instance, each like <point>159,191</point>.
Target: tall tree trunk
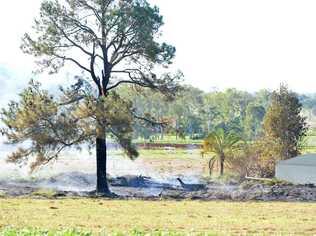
<point>101,155</point>
<point>222,160</point>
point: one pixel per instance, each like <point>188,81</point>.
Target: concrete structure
<point>298,170</point>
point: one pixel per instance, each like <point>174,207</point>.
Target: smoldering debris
<point>142,187</point>
<point>77,183</point>
<point>130,180</point>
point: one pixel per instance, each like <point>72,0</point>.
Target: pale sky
<point>247,44</point>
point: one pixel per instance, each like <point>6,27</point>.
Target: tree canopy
<point>108,38</point>
<point>112,42</point>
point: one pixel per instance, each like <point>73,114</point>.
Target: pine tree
<point>284,123</point>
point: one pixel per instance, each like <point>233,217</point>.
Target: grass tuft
<point>39,232</point>
<point>45,193</point>
<point>2,194</point>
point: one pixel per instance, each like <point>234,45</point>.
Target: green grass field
<point>217,218</point>
<point>167,139</point>
<point>309,143</point>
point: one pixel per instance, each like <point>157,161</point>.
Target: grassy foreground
<point>219,218</point>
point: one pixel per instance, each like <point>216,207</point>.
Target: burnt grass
<point>146,188</point>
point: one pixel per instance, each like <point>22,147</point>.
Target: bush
<point>257,159</point>
<point>265,154</point>
<point>240,161</point>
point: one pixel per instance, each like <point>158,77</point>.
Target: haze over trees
<point>250,116</point>
<point>194,113</point>
<point>114,42</point>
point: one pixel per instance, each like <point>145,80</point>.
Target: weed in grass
<point>275,181</point>
<point>37,232</point>
<point>2,194</point>
<point>45,193</point>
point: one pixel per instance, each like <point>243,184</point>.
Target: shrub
<point>257,159</point>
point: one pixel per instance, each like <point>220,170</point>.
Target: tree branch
<point>72,60</point>
<point>84,3</point>
<point>92,71</point>
<point>77,99</point>
<point>132,81</point>
<point>70,40</point>
<point>150,121</point>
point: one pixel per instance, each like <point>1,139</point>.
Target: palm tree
<point>220,143</point>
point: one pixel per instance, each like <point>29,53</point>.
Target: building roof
<point>306,160</point>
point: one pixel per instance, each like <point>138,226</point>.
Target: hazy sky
<point>247,44</point>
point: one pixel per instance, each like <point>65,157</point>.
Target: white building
<point>298,170</point>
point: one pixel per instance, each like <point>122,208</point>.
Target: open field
<point>309,143</point>
<point>220,218</point>
<point>177,162</point>
<point>171,139</point>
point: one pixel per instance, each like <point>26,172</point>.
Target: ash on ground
<point>141,187</point>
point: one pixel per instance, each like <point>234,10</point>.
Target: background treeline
<point>247,132</point>
<point>194,113</point>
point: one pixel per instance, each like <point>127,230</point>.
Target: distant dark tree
<point>253,120</point>
<point>284,122</point>
<point>114,42</point>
